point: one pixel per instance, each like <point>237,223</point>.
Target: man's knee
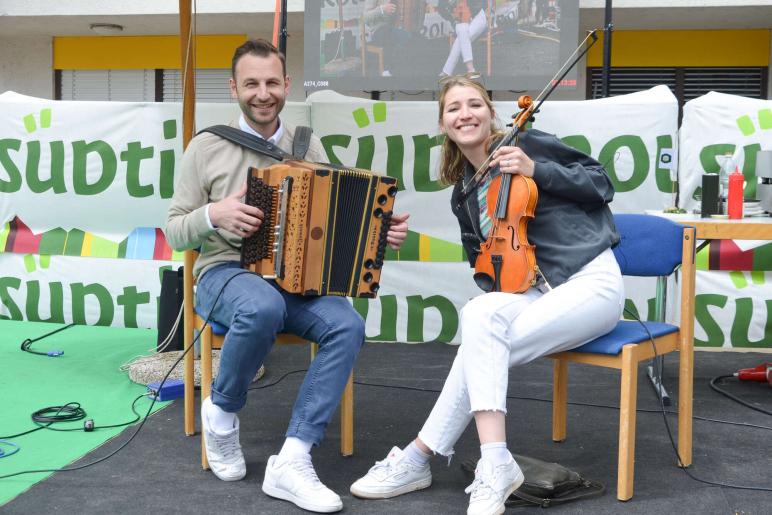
<point>261,313</point>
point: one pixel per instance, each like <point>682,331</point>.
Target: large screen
<point>412,44</point>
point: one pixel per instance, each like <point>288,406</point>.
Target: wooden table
<point>754,228</point>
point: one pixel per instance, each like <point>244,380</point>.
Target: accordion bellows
<point>324,231</point>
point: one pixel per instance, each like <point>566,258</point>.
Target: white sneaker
<point>491,487</point>
<point>223,450</point>
<point>296,481</point>
<point>395,475</point>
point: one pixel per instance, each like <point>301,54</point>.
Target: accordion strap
<point>249,141</point>
<point>301,142</point>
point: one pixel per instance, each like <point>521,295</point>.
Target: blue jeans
<point>255,309</point>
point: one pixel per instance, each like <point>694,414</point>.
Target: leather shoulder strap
<point>301,142</point>
<point>249,141</point>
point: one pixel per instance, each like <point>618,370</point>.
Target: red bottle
<point>735,197</point>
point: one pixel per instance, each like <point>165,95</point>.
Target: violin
<point>507,261</point>
<point>461,12</point>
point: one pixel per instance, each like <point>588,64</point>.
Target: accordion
<point>324,229</point>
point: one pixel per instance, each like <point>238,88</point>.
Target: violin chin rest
<point>484,281</point>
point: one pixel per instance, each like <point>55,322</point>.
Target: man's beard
<point>261,121</point>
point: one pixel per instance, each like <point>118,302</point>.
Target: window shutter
<point>211,85</point>
<point>117,85</point>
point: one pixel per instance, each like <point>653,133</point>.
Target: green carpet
<point>88,373</point>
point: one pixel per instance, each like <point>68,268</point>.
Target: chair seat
<point>217,328</point>
<point>626,331</point>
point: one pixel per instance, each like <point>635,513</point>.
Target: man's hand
<point>388,8</point>
<point>235,216</point>
<point>397,230</point>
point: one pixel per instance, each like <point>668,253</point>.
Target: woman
<point>579,295</point>
<point>470,22</point>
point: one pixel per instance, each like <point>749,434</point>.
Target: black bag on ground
<point>545,483</point>
<point>169,305</point>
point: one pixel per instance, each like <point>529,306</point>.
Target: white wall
<point>26,66</point>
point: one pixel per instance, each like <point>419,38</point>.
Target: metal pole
<point>283,29</point>
<point>607,30</point>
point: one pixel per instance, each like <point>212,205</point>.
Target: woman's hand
<point>512,160</point>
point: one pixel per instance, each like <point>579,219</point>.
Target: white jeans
<point>500,330</point>
<point>462,46</point>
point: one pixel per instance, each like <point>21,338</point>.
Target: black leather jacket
<point>572,223</point>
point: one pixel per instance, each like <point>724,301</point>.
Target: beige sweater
<point>211,169</point>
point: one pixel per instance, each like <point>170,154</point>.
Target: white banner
<point>714,125</point>
<point>88,183</point>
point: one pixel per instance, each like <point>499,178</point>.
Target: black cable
<point>734,397</point>
<point>260,387</point>
<point>47,424</point>
<point>149,409</point>
<point>66,413</point>
<point>25,345</point>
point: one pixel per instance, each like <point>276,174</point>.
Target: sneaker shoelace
<point>306,471</point>
<point>227,446</point>
<point>480,488</point>
<point>384,468</point>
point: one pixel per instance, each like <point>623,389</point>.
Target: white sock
<point>416,456</point>
<point>220,421</point>
<point>496,453</point>
<point>294,448</point>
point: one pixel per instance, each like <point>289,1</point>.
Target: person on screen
<point>381,20</point>
<point>208,212</point>
<point>469,22</point>
<point>578,297</point>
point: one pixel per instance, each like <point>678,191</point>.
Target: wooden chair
<point>652,247</point>
<point>212,337</point>
<point>487,37</point>
<point>368,48</point>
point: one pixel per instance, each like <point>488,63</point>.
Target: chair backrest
<point>650,245</point>
<point>655,246</point>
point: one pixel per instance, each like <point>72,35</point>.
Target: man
<point>208,211</point>
<point>379,17</point>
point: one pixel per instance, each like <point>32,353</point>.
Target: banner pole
<point>276,17</point>
<point>187,70</point>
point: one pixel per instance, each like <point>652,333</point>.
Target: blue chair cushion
<point>626,331</point>
<point>217,327</point>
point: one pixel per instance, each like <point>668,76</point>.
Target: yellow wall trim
<point>140,52</point>
<point>685,48</point>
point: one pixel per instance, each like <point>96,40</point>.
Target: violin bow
<point>523,116</point>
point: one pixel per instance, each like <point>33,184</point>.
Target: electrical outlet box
<point>172,389</point>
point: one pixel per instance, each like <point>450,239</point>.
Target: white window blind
<point>118,85</point>
<point>211,85</point>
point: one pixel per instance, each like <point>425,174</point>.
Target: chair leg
<point>206,380</point>
<point>190,401</point>
<point>559,399</point>
<point>627,406</point>
<point>685,403</point>
<point>347,419</point>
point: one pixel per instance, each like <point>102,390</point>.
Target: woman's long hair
<point>452,161</point>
